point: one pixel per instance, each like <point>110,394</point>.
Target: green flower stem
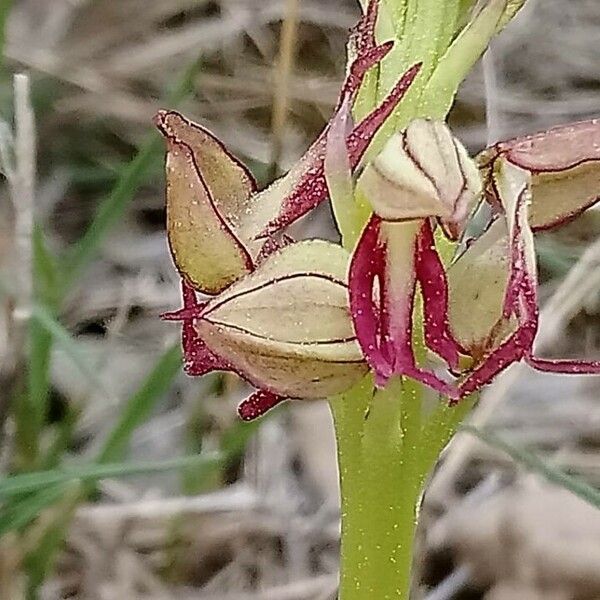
<point>387,440</point>
<point>386,449</point>
<point>349,413</point>
<point>385,495</point>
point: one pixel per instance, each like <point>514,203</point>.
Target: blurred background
<point>93,403</point>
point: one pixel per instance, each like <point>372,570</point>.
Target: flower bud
<point>423,172</point>
<point>286,327</point>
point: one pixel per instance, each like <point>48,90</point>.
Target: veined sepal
<point>207,193</point>
<point>285,328</point>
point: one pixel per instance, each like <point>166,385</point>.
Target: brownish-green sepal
<point>208,192</point>
<point>564,163</point>
<point>486,279</point>
<point>287,327</point>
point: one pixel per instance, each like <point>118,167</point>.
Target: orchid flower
<point>481,310</point>
<point>412,298</point>
<point>484,307</point>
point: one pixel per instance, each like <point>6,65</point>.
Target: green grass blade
<point>46,269</point>
<point>5,6</point>
<point>19,514</point>
<point>141,404</point>
<point>30,403</point>
<point>111,210</point>
<point>49,535</point>
<point>533,463</point>
<point>28,483</point>
<point>62,436</point>
<point>204,476</point>
<point>64,340</point>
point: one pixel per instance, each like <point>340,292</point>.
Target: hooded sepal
<point>207,192</point>
<point>286,327</point>
<point>477,284</point>
<point>199,360</point>
<point>423,172</point>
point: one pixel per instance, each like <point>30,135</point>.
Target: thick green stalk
<point>349,412</point>
<point>387,495</point>
<point>386,449</point>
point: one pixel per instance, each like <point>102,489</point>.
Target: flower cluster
<point>309,319</point>
<point>482,310</point>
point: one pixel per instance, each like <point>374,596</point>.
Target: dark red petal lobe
<point>311,188</point>
<point>258,404</point>
<point>520,281</point>
<point>513,349</point>
<point>552,365</point>
<point>431,380</point>
<point>399,341</point>
<point>362,135</point>
<point>434,287</point>
<point>198,359</point>
<point>398,333</point>
<point>525,304</point>
<point>510,351</point>
<point>521,301</point>
<point>520,343</point>
<point>362,35</point>
<point>366,267</point>
<point>564,366</point>
<point>358,69</point>
<point>384,328</point>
